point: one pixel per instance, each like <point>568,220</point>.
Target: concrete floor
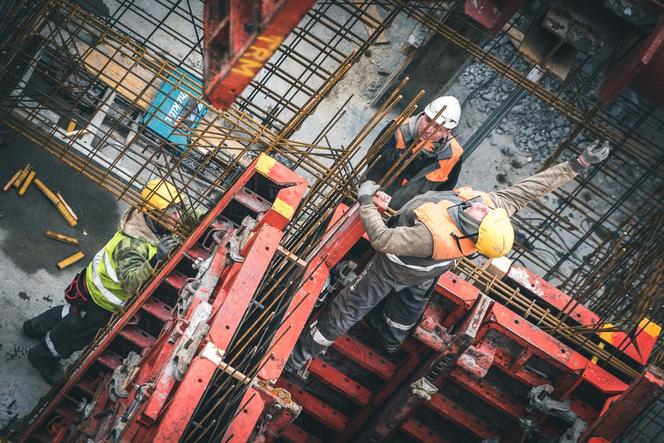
<point>31,282</point>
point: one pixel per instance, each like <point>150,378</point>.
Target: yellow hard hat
<point>159,194</point>
<point>496,234</point>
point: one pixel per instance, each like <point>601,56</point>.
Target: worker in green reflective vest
<point>114,276</point>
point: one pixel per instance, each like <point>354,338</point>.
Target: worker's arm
<point>413,241</point>
<point>516,197</point>
<point>132,265</point>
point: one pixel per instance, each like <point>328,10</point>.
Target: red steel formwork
<point>137,381</point>
<point>465,374</point>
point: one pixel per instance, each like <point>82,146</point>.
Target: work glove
<point>366,191</point>
<point>594,154</point>
<point>166,244</point>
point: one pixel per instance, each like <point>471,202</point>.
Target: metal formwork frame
<point>145,407</point>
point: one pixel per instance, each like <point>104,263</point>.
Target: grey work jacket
<point>410,241</point>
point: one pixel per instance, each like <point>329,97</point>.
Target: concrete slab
<point>29,280</point>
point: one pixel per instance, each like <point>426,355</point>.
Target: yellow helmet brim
<point>160,194</point>
<point>496,234</point>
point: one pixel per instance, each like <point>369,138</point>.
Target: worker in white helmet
<point>419,244</point>
<point>114,276</point>
<point>437,155</point>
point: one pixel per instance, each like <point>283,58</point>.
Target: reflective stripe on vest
<point>98,286</point>
<point>439,222</point>
<point>395,259</point>
<point>101,276</point>
<point>445,166</point>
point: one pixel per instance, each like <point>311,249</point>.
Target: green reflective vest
<point>102,281</point>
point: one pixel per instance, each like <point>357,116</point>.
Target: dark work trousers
<point>402,310</point>
<point>70,327</point>
<point>76,328</point>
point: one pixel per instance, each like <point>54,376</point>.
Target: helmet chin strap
<point>466,224</point>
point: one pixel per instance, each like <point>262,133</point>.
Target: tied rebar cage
<point>117,95</point>
<point>595,235</point>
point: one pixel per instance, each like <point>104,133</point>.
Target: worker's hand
<point>165,246</point>
<point>366,191</point>
<point>368,188</point>
<point>594,154</point>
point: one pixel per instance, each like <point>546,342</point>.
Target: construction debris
<point>23,173</point>
<point>66,205</point>
<point>62,207</point>
<point>26,183</point>
<point>11,181</point>
<point>61,237</point>
<point>65,262</point>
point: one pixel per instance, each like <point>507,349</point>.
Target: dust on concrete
<point>31,283</point>
<point>27,217</point>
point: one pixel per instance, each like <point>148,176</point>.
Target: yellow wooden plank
<point>70,260</point>
<point>121,72</point>
<point>61,237</point>
<point>11,181</point>
<point>26,183</point>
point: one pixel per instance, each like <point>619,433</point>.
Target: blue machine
<point>174,113</point>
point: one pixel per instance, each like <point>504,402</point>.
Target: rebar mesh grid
<point>601,218</point>
<point>605,259</point>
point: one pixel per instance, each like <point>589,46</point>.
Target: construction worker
<point>437,155</point>
<point>421,242</point>
<point>113,277</point>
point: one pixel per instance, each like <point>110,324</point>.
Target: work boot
<point>47,365</point>
<point>306,349</point>
<point>38,326</point>
<point>376,321</point>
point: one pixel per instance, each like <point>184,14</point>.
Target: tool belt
<point>77,292</point>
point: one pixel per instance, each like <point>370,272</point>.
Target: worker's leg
<point>347,308</point>
<point>402,311</point>
<point>38,326</point>
<point>73,332</point>
<point>78,328</point>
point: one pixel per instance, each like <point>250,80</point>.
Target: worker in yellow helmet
<point>115,275</point>
<point>421,242</point>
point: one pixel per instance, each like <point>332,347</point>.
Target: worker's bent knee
<point>318,337</point>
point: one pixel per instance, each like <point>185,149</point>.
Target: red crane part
<point>240,36</point>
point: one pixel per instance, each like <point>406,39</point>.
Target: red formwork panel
<point>465,375</point>
<point>637,346</point>
<point>152,400</point>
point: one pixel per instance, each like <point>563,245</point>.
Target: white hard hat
<point>449,118</point>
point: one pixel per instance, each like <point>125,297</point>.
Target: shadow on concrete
<point>24,219</point>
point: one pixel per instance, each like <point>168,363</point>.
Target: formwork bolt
<point>268,417</point>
